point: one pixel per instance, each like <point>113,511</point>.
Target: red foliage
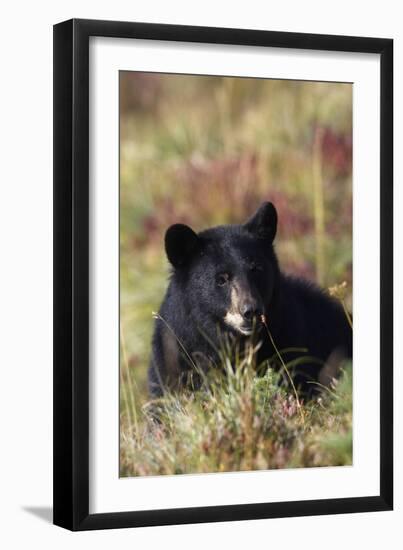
<point>293,218</point>
<point>337,151</point>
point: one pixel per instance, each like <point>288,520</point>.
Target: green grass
<point>238,421</point>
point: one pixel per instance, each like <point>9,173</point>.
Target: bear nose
<point>249,310</point>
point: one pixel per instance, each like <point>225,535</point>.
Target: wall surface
<point>26,274</point>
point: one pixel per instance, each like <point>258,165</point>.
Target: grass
<point>206,151</point>
<point>239,421</point>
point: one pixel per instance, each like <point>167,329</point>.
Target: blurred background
<point>207,150</point>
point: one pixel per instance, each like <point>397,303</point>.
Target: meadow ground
<point>207,151</point>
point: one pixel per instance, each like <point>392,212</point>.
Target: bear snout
<point>250,311</point>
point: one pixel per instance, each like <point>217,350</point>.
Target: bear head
<point>227,274</point>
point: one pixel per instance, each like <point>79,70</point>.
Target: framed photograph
<point>223,236</point>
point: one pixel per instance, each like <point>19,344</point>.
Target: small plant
<point>339,292</point>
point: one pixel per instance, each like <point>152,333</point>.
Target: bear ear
<point>181,243</point>
<point>263,223</point>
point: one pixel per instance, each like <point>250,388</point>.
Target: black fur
<point>206,269</point>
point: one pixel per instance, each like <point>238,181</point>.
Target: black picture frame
<point>71,273</point>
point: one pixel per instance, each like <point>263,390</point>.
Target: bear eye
<point>222,279</point>
<point>255,266</point>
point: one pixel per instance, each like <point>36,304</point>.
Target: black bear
<point>227,280</point>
